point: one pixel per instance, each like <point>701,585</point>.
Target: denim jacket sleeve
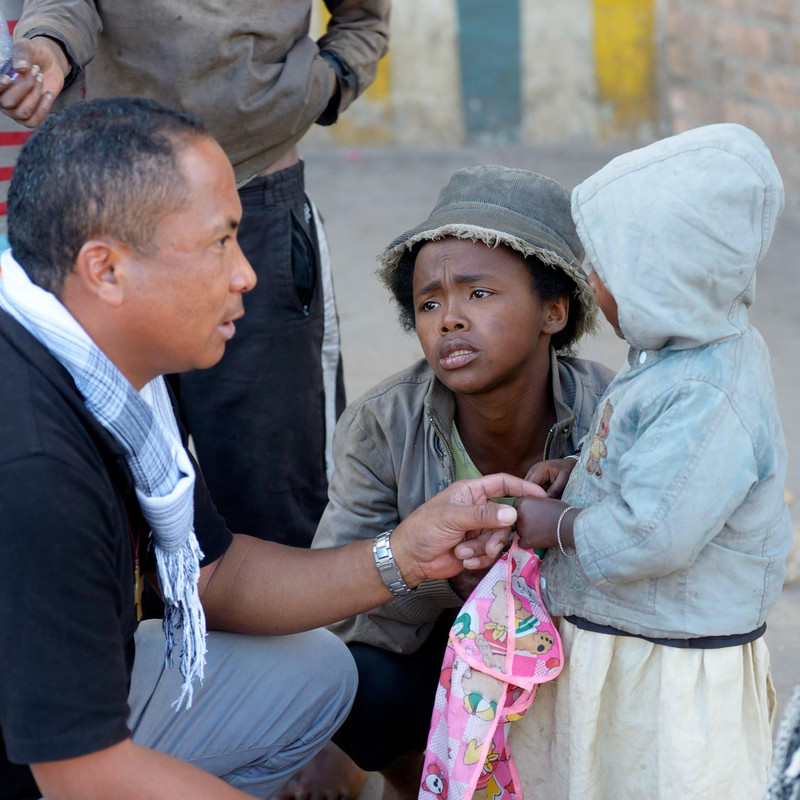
<point>688,463</point>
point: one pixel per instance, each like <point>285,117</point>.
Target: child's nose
<point>452,319</point>
<point>451,326</point>
<point>453,322</point>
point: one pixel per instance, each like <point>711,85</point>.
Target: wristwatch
<point>387,566</point>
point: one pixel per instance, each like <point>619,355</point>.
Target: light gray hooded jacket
<point>684,530</point>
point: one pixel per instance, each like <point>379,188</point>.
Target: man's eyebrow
<point>436,282</point>
<point>227,226</point>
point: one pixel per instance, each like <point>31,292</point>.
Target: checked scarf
<point>144,424</point>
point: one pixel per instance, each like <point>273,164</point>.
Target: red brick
<point>756,41</point>
<point>749,114</point>
<point>725,75</point>
<point>781,48</point>
<point>767,10</point>
<point>783,88</point>
<point>754,82</point>
<point>741,39</point>
<point>685,59</point>
<point>673,19</point>
<point>695,24</point>
<point>687,103</point>
<point>724,5</point>
<point>787,128</point>
<point>780,10</point>
<point>674,51</point>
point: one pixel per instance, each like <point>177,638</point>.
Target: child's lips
<point>456,354</point>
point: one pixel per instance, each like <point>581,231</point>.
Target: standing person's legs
<point>267,705</point>
<point>262,417</point>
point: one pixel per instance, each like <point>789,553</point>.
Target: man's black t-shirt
<point>68,521</point>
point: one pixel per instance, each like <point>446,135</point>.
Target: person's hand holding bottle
<point>31,76</point>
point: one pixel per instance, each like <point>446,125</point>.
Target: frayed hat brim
<point>403,246</point>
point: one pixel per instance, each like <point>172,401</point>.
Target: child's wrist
<point>570,538</point>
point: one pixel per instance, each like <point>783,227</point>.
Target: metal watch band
<point>387,566</point>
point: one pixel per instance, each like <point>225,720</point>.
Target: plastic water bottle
<point>6,50</point>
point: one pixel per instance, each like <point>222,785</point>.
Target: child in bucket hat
<point>491,283</point>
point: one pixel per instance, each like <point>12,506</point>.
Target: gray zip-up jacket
<point>247,67</point>
<point>684,530</point>
<point>392,452</point>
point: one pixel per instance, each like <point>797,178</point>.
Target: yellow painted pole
<point>625,62</point>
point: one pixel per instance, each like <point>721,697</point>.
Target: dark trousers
<point>391,715</point>
<point>258,417</point>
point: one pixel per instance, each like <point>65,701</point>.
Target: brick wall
<point>736,61</point>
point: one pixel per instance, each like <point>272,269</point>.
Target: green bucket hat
<point>496,205</point>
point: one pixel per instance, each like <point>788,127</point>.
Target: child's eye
<point>428,305</point>
<point>479,294</point>
<point>224,240</point>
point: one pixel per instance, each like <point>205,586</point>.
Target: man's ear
<point>557,314</point>
<point>99,268</point>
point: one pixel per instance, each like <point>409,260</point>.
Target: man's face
<point>183,299</point>
<point>479,320</point>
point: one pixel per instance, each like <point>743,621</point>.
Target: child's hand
<point>537,522</point>
<point>551,475</point>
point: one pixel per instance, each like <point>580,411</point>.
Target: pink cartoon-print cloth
<point>501,646</point>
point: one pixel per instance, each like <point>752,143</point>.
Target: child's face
<point>478,318</point>
<point>606,301</point>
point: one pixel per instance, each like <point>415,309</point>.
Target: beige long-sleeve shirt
<point>248,68</point>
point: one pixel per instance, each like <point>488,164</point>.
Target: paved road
<point>368,196</point>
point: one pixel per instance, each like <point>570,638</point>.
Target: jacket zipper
<point>446,446</point>
<point>549,441</point>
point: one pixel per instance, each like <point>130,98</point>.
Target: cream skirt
<point>628,719</point>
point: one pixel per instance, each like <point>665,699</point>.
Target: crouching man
<point>125,266</point>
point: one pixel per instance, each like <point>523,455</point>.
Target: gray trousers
<point>267,704</point>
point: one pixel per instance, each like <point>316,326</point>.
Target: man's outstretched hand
<point>459,528</point>
<point>41,66</point>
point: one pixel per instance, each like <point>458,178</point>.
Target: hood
<point>676,230</point>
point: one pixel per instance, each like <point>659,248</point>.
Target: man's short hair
<point>106,167</point>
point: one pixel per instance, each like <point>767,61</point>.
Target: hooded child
<point>668,546</point>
